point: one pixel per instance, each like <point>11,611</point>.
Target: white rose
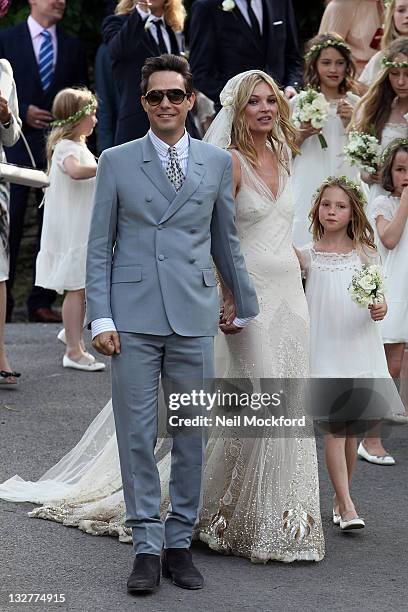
<point>366,283</point>
<point>228,5</point>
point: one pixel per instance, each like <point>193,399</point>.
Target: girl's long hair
<point>282,132</point>
<point>311,75</point>
<point>373,109</point>
<point>358,229</point>
<point>174,12</point>
<point>67,102</point>
<point>390,31</point>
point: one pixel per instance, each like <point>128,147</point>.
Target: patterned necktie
<point>158,23</point>
<point>254,21</point>
<point>173,169</point>
<point>46,60</point>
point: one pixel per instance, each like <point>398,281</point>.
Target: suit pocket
<point>209,278</point>
<point>126,274</point>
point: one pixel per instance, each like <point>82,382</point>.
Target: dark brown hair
<point>167,61</point>
<point>311,75</point>
<point>386,170</point>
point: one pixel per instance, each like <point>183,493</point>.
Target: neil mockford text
<point>205,400</point>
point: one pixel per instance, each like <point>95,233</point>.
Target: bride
<point>260,495</point>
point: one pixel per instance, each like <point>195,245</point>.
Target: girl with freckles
<point>329,68</point>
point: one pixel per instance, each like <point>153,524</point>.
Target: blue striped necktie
<point>46,60</point>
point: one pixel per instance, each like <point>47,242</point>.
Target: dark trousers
<point>38,297</point>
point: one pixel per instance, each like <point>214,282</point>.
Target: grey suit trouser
<point>136,374</point>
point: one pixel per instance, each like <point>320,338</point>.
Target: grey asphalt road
<point>42,419</point>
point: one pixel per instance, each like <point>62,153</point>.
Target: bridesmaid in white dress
<point>347,345</point>
<point>390,214</point>
<point>395,25</point>
<point>260,495</point>
<point>329,67</point>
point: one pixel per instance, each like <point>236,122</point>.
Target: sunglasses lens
<point>176,96</point>
<point>154,97</point>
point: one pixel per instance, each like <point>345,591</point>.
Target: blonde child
<point>67,216</point>
<point>330,69</point>
<point>345,339</point>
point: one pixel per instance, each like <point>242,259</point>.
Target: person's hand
<point>227,311</point>
<point>37,117</point>
<point>107,343</point>
<point>404,195</point>
<point>344,111</point>
<point>290,92</point>
<point>230,329</point>
<point>378,311</point>
<point>5,114</point>
<point>370,179</point>
<point>307,130</point>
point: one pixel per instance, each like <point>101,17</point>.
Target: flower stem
<point>322,141</point>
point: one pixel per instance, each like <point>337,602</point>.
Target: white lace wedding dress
<point>260,495</point>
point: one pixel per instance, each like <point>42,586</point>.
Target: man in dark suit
<point>44,61</point>
<point>141,31</point>
<point>231,36</point>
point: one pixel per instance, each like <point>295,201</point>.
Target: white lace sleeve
<point>64,149</point>
<point>304,259</point>
<point>383,206</point>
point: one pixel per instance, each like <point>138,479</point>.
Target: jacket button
<point>192,260</point>
<point>161,257</point>
<point>199,201</point>
<point>193,231</point>
<point>148,198</point>
<point>159,227</point>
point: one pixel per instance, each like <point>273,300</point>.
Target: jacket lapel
<point>28,49</point>
<point>153,169</point>
<point>195,174</point>
<point>246,28</point>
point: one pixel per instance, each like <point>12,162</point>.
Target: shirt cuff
<point>102,325</point>
<point>242,322</point>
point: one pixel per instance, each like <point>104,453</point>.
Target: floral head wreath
<point>387,63</point>
<point>341,181</point>
<point>392,147</point>
<point>88,109</point>
<point>219,132</point>
<point>332,42</point>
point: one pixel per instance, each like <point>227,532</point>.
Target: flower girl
<point>345,340</point>
<point>67,215</point>
<point>390,214</point>
<point>383,109</point>
<point>395,24</point>
<point>329,68</point>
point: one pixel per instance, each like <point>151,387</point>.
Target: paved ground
<point>44,418</point>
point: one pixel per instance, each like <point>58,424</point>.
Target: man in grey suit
<point>163,214</point>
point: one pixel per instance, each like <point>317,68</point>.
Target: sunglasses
<point>176,96</point>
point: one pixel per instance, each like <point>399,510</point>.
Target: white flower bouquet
<point>364,151</point>
<point>312,106</point>
<point>367,286</point>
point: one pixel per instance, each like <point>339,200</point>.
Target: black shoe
<point>44,315</point>
<point>177,564</point>
<point>145,576</point>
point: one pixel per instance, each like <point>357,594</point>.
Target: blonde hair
<point>282,132</point>
<point>358,229</point>
<point>373,109</point>
<point>174,12</point>
<point>67,102</point>
<point>390,31</point>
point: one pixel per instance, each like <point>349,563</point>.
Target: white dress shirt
<point>256,7</point>
<point>162,149</point>
<point>152,29</point>
<point>35,30</point>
